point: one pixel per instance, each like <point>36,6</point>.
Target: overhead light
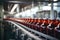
<point>19,2</point>
<point>14,1</point>
<point>55,0</point>
<point>14,7</point>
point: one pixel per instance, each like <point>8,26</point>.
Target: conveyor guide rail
<point>24,29</point>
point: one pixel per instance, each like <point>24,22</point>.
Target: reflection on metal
<point>52,11</point>
<point>22,36</point>
<point>29,39</point>
<point>32,4</point>
<point>18,8</point>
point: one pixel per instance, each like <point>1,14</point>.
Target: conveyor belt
<point>34,31</point>
<point>39,33</point>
